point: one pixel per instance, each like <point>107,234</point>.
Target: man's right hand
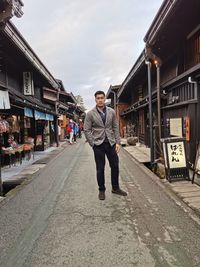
<point>117,148</point>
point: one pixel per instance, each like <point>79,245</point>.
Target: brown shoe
<point>119,192</point>
<point>102,195</point>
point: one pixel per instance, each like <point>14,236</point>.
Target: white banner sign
<point>176,155</point>
<point>4,100</point>
<point>28,83</point>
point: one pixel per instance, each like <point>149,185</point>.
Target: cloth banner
<point>4,100</point>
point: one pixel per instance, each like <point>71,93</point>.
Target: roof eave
<point>12,33</point>
<point>132,72</point>
<point>163,13</point>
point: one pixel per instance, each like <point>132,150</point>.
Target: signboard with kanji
<point>28,83</point>
<point>176,155</point>
<point>176,165</point>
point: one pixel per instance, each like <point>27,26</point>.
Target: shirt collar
<point>100,110</point>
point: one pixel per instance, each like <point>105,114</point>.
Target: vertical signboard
<point>28,83</point>
<point>176,155</point>
<point>187,128</point>
<point>176,165</point>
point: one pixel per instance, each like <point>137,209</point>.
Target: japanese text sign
<point>176,155</point>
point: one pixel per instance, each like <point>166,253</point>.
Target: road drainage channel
<point>20,178</point>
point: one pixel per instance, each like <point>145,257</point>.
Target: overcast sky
<point>88,44</point>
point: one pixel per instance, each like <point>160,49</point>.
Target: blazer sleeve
<point>88,129</point>
<point>116,128</point>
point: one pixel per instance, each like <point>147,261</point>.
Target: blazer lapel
<point>97,115</point>
<point>107,116</point>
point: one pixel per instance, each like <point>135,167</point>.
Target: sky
<point>88,44</point>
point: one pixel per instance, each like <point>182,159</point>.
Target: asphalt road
<point>57,219</point>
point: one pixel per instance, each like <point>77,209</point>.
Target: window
<point>192,51</point>
<point>141,122</point>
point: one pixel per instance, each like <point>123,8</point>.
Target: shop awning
<point>4,100</point>
<point>49,117</point>
<point>43,116</point>
<point>40,115</point>
<point>28,112</point>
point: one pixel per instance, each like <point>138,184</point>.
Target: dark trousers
<point>99,154</point>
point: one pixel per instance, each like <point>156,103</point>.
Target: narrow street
<point>57,219</point>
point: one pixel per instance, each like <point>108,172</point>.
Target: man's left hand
<point>117,148</point>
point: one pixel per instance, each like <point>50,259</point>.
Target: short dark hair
<point>99,93</point>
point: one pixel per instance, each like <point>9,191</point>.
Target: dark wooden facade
<point>16,57</point>
<point>118,106</point>
<point>177,44</point>
<point>174,39</point>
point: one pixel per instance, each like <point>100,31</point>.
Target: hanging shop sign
<point>28,83</point>
<point>176,165</point>
<point>187,128</point>
<point>197,164</point>
<point>4,100</point>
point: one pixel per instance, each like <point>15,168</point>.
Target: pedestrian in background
<point>80,128</point>
<point>59,132</point>
<point>75,130</point>
<point>70,131</point>
<point>102,133</point>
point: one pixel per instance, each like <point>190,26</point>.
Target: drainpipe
<point>158,65</point>
<point>197,96</point>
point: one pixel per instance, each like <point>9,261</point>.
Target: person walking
<point>102,133</point>
<point>80,128</point>
<point>75,130</point>
<point>70,131</point>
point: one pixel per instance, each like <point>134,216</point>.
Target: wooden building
<point>173,46</point>
<point>24,77</point>
<point>117,105</point>
<point>174,37</point>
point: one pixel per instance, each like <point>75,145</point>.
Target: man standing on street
<point>102,133</point>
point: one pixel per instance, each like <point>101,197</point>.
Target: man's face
<point>100,100</point>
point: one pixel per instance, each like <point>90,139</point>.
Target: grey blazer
<point>95,130</point>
